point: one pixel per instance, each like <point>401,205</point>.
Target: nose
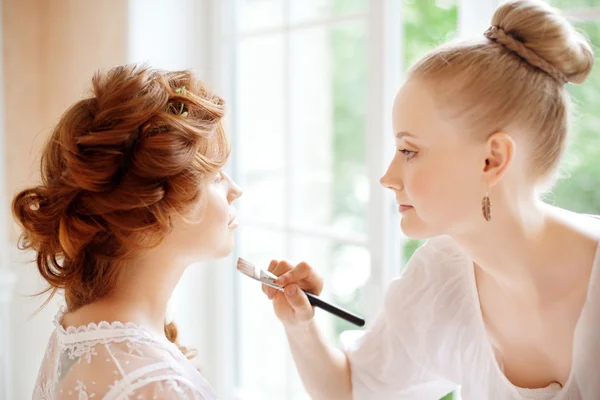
<point>392,178</point>
<point>235,192</point>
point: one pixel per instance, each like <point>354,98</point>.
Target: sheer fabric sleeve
<point>393,358</point>
<point>165,388</point>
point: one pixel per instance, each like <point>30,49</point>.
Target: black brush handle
<point>339,312</point>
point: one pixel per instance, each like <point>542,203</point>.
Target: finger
<point>272,292</point>
<point>282,307</point>
<point>299,302</point>
<point>272,265</point>
<point>269,291</point>
<point>301,271</point>
<point>266,289</point>
<point>282,267</point>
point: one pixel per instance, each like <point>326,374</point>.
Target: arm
<point>390,361</point>
<point>325,370</point>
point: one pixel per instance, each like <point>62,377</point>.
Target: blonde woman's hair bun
<point>549,42</point>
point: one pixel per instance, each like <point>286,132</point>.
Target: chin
<point>416,229</point>
<point>225,250</point>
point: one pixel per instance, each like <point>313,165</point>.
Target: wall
<point>50,51</point>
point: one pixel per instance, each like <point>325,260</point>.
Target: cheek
<point>425,183</point>
<point>439,189</point>
<point>217,211</point>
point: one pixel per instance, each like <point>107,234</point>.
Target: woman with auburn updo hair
<point>133,191</point>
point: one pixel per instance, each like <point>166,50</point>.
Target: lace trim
<point>92,326</point>
<point>80,340</point>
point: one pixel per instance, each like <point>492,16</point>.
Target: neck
<point>144,289</point>
<point>514,248</point>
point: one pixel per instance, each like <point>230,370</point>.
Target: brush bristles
<point>246,267</point>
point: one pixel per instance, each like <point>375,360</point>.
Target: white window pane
<point>257,14</point>
<point>303,10</point>
<point>346,269</point>
<point>327,122</point>
<point>259,108</point>
<point>263,353</point>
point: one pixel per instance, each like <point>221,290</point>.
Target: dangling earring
<point>486,207</point>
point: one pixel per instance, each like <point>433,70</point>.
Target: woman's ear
<point>500,150</point>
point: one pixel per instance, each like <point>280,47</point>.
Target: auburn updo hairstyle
<point>117,167</point>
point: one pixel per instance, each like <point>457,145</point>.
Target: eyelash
<point>408,153</point>
<point>219,178</point>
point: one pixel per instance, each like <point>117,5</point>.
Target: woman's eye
<point>408,153</point>
<point>219,178</point>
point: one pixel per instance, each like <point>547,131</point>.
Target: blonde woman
<point>503,300</point>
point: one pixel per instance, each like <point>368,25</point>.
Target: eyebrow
<point>401,134</point>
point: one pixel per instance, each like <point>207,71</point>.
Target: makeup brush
<point>267,278</point>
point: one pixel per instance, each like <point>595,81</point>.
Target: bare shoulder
<point>576,239</point>
<point>585,225</point>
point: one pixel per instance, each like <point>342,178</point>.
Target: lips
<point>403,207</point>
<point>232,222</point>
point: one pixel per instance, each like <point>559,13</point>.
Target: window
<point>301,123</point>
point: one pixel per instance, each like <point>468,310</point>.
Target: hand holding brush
<point>301,285</point>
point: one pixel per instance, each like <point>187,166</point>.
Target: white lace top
<point>116,361</point>
<point>430,338</point>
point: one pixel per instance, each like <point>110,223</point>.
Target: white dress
<point>430,338</point>
<point>116,361</point>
